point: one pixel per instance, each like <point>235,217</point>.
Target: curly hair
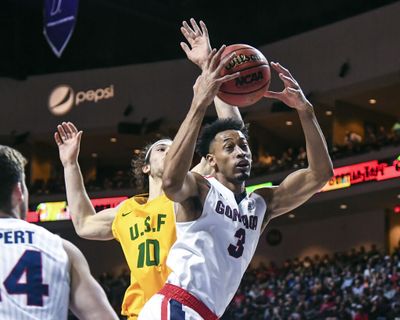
<point>209,132</point>
<point>12,166</point>
<point>137,163</point>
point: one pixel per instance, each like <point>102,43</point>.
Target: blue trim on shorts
<point>175,310</point>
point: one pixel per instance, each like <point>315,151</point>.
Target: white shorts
<point>152,310</point>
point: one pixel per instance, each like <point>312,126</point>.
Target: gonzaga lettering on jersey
<point>212,253</point>
<point>34,272</point>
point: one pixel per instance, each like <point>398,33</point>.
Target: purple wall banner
<point>59,22</point>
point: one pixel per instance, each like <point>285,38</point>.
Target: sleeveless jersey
<point>212,253</point>
<point>34,272</point>
<point>146,232</point>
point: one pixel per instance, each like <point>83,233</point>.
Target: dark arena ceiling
<point>120,32</point>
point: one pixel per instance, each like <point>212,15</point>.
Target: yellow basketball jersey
<point>146,232</point>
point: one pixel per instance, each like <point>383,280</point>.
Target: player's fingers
<point>185,48</point>
<point>72,127</point>
<point>289,82</point>
<point>210,57</point>
<point>229,77</point>
<point>278,67</point>
<point>67,129</point>
<point>189,30</point>
<point>273,95</point>
<point>57,138</point>
<point>79,136</point>
<point>186,34</point>
<point>215,61</point>
<point>195,27</point>
<point>224,62</point>
<point>62,132</point>
<point>204,28</point>
<point>293,90</point>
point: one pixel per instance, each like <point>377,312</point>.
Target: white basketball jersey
<point>34,273</point>
<point>212,253</point>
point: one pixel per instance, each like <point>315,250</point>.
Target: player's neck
<point>8,215</point>
<point>235,187</point>
<point>155,188</point>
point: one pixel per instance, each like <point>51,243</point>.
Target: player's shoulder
<point>139,198</point>
<point>44,239</point>
<point>265,192</point>
<point>129,203</point>
<point>34,227</point>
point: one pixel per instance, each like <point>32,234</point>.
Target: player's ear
<point>211,160</point>
<point>146,169</point>
<point>17,195</point>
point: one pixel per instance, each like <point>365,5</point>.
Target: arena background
<point>345,55</point>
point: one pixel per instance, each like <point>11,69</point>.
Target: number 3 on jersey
<point>236,250</point>
<point>30,263</point>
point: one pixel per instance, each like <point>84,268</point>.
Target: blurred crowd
<point>108,179</point>
<point>353,144</point>
<point>359,285</point>
<point>291,158</point>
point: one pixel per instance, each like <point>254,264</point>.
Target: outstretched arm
<point>87,223</point>
<point>178,183</point>
<point>87,299</point>
<point>197,50</point>
<point>301,184</point>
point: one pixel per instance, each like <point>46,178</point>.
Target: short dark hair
<point>209,132</point>
<point>12,166</point>
<point>137,163</point>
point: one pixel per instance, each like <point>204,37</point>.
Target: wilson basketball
<point>254,80</point>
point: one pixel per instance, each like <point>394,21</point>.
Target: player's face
<point>157,157</point>
<point>232,155</point>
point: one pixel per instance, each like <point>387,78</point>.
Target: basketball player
<point>218,224</point>
<point>40,273</point>
<point>144,224</point>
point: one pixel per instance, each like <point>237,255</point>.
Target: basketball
<point>254,80</point>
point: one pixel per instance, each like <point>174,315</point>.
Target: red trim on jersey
<point>171,291</point>
<point>164,308</point>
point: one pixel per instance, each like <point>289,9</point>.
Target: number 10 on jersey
<point>149,253</point>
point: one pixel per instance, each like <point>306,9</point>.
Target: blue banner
<point>59,22</point>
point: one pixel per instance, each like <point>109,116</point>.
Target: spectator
<point>396,129</point>
<point>352,141</point>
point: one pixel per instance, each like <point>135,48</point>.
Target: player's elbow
<point>83,233</point>
<point>322,173</point>
<point>328,173</point>
<point>323,176</point>
<point>170,187</point>
<point>78,226</point>
<point>319,177</point>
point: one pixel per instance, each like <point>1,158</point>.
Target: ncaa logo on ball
<point>61,100</point>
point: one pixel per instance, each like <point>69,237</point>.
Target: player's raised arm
<point>87,223</point>
<point>302,184</point>
<point>197,50</point>
<point>178,183</point>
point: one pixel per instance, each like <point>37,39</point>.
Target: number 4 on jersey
<point>30,263</point>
